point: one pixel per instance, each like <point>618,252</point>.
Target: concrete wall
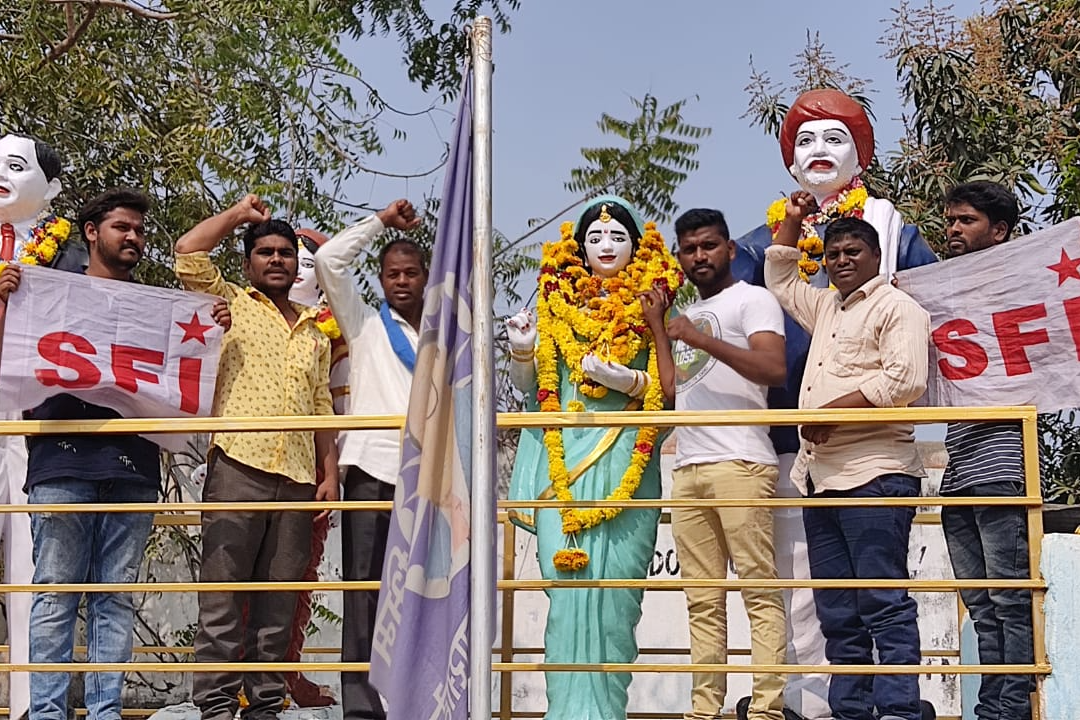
<point>1061,568</point>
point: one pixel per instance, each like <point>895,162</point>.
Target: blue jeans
<point>867,543</point>
<point>77,548</point>
<point>991,542</point>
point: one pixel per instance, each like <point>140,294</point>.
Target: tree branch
<point>119,5</point>
<point>73,35</point>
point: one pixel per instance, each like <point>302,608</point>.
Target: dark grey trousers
<point>363,545</point>
<point>243,546</point>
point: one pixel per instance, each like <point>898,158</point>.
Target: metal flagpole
<point>482,596</point>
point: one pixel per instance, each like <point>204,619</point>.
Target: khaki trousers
<point>706,539</point>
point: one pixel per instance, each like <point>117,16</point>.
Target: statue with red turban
<point>826,141</point>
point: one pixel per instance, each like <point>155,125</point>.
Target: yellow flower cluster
<point>570,559</point>
<point>586,314</point>
<point>849,202</point>
<point>579,314</point>
<point>49,233</point>
<point>328,325</point>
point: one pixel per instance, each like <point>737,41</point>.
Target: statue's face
<point>608,247</point>
<point>305,289</point>
<point>825,157</point>
<point>24,190</point>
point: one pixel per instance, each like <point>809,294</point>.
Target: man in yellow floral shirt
<point>274,361</point>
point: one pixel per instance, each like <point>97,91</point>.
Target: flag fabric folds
<point>140,350</point>
<point>420,652</point>
<point>1004,341</point>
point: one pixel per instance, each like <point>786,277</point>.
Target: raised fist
<point>251,209</point>
<point>800,206</point>
<point>399,215</point>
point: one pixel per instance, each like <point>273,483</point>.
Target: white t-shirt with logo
<point>704,383</point>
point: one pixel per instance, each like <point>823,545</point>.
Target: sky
<point>565,63</point>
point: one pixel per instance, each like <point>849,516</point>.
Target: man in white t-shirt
<point>382,353</point>
<point>722,354</point>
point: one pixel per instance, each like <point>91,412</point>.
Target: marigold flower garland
<point>577,314</point>
<point>849,202</point>
<point>327,323</point>
<point>46,237</point>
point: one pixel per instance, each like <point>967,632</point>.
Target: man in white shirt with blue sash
<point>382,355</point>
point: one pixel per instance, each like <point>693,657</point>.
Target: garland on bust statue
<point>325,321</point>
<point>580,313</point>
<point>48,234</point>
<point>849,202</point>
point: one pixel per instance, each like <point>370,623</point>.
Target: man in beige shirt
<point>868,349</point>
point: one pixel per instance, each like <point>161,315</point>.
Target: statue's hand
<point>521,331</point>
<point>615,376</point>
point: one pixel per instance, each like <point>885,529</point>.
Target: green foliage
<point>211,99</point>
<point>1059,457</point>
<point>320,613</point>
<point>814,67</point>
<point>659,156</point>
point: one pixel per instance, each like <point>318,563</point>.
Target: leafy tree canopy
<point>198,101</point>
<point>658,157</point>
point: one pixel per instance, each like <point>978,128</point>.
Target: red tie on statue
<point>7,242</point>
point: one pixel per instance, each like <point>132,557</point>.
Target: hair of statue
<point>268,227</point>
<point>853,227</point>
<point>992,199</point>
<point>48,159</point>
<point>98,207</point>
<point>403,245</point>
<point>697,218</point>
<point>310,245</point>
<point>311,239</point>
<point>828,104</point>
<point>615,211</point>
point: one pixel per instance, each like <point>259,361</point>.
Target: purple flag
<point>420,650</point>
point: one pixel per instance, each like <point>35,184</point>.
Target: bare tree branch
<point>73,35</point>
<point>119,5</point>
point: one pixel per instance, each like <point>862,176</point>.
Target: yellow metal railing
<point>506,652</point>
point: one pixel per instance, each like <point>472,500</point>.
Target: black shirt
<point>95,458</point>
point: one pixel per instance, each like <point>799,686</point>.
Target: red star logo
<point>1066,268</point>
<point>194,330</point>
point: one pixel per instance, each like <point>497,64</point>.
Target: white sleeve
<point>334,270</point>
<point>761,312</point>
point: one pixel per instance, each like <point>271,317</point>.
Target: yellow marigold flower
<point>856,198</point>
<point>812,245</point>
<point>584,313</point>
<point>777,212</point>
